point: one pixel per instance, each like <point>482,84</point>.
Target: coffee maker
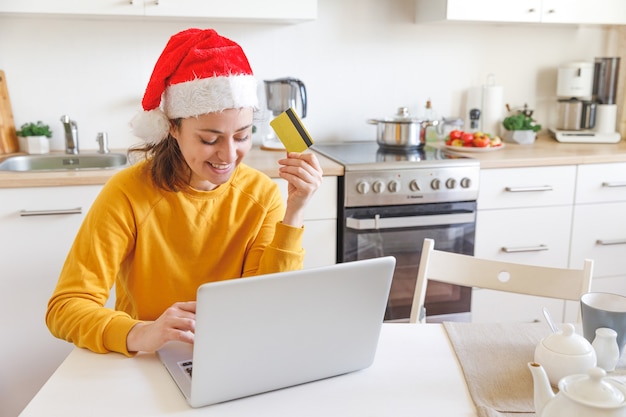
<point>281,94</point>
<point>586,92</point>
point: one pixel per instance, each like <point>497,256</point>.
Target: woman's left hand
<point>304,175</point>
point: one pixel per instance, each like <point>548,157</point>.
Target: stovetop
<point>368,156</point>
<point>374,176</point>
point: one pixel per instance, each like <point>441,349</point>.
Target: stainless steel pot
<point>401,131</point>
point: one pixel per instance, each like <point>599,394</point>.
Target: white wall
<point>360,59</point>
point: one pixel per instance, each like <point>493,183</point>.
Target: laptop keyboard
<point>186,366</point>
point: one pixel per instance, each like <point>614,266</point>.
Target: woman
<point>190,212</point>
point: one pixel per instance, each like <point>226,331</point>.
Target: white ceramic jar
<point>565,353</point>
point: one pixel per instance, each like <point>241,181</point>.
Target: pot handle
<point>373,121</point>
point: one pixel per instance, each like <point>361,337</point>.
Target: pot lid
<point>592,389</point>
<point>402,116</point>
<point>567,342</point>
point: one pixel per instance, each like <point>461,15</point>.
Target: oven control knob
<point>466,183</point>
<point>363,187</point>
<point>450,183</point>
<point>414,186</point>
<point>378,186</point>
<point>394,186</point>
<point>435,184</point>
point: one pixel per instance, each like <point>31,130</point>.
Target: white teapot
<point>565,353</point>
<point>582,395</point>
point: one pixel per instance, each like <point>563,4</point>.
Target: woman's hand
<point>304,175</point>
<point>177,323</point>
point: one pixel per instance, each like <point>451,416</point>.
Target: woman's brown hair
<point>167,166</point>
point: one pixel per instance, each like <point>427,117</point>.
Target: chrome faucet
<point>71,135</point>
<point>103,142</point>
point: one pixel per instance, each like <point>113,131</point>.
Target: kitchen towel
<point>494,358</point>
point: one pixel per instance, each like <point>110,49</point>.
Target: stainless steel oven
<point>390,202</point>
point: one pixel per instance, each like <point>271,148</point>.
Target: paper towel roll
<point>492,108</point>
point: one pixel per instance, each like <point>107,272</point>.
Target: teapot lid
<point>592,389</point>
<point>567,342</point>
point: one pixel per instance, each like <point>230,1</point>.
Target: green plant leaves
<point>520,122</point>
<point>35,129</point>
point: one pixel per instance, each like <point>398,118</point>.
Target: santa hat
<point>198,72</point>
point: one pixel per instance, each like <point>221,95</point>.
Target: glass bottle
<point>430,114</point>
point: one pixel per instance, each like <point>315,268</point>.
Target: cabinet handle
<point>529,188</point>
<point>551,11</point>
<point>537,248</point>
<point>27,213</point>
<point>614,184</point>
<point>132,2</point>
<point>607,242</point>
<point>531,10</point>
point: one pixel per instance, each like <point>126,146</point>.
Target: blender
<point>587,112</point>
<point>281,94</point>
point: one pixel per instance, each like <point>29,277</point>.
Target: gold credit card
<point>291,131</point>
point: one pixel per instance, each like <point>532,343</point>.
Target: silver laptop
<point>273,331</point>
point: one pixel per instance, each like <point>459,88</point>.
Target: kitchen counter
<point>547,151</point>
<point>265,161</point>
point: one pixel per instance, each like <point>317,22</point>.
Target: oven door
<point>399,231</point>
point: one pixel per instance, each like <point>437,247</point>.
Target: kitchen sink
<point>63,162</point>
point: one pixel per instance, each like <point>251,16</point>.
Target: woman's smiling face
<point>214,144</point>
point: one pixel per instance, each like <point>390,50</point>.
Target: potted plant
<point>521,127</point>
<point>34,137</point>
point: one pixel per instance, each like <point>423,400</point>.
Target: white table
<point>415,373</point>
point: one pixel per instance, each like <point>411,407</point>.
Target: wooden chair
<point>453,268</point>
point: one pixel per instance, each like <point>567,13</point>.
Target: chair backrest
<point>469,271</point>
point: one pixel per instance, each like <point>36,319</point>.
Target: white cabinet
<point>478,10</point>
<point>601,183</point>
<point>531,235</point>
<point>526,187</point>
<point>599,231</point>
<point>37,228</point>
<point>267,10</point>
<point>524,216</point>
<point>320,222</point>
<point>578,216</point>
<point>71,7</point>
<point>602,12</point>
<point>606,12</point>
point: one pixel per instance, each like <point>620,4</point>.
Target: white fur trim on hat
<point>152,126</point>
<point>208,95</point>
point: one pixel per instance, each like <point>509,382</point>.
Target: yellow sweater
<point>157,247</point>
